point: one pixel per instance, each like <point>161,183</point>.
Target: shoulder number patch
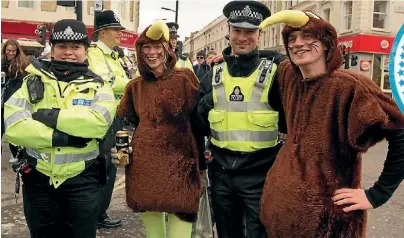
<point>82,102</point>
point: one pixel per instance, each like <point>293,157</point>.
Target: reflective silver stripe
<point>71,158</point>
<point>33,153</point>
<point>103,97</point>
<point>104,111</point>
<point>233,106</point>
<point>20,102</point>
<point>17,116</point>
<point>182,63</point>
<point>255,136</point>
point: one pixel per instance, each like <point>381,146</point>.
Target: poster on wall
<point>396,68</point>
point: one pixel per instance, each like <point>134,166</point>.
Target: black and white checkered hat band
<point>71,36</point>
<point>243,14</point>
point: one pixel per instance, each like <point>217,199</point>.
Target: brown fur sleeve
<point>371,112</point>
<point>192,85</point>
<point>126,108</point>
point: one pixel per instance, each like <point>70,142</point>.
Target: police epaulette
<point>96,77</point>
<point>93,45</point>
<point>183,57</point>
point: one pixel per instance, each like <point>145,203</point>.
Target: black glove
<point>62,139</point>
<point>48,117</point>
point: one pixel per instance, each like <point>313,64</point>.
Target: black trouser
<point>108,188</point>
<point>69,211</point>
<point>235,200</point>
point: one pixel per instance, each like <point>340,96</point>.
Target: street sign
<point>98,5</point>
<point>396,69</point>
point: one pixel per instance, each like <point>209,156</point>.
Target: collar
<point>105,49</point>
<point>241,65</point>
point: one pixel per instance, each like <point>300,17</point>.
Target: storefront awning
<point>27,43</point>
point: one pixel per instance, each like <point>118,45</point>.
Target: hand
<point>49,117</point>
<point>356,198</point>
<point>115,155</point>
<point>204,179</point>
<point>216,59</point>
<point>62,139</point>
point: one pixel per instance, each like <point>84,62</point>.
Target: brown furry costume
<point>331,120</point>
<point>163,174</point>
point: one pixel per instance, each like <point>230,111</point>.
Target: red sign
<point>367,43</point>
<point>17,30</point>
<point>365,65</point>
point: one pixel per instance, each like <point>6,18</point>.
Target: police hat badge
<point>396,69</point>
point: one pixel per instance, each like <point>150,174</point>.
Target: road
<point>384,222</point>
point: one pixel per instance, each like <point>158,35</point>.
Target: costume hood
<point>157,32</point>
<point>296,20</point>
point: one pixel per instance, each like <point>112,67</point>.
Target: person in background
<point>200,58</point>
<point>182,60</point>
<point>205,66</point>
<point>165,172</point>
<point>104,61</point>
<point>46,54</point>
<point>13,64</point>
<point>59,127</point>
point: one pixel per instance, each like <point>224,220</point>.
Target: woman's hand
<point>356,198</point>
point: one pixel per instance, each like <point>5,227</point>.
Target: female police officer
<point>57,115</point>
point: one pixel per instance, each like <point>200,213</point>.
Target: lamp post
<point>175,11</point>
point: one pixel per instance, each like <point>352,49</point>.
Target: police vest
<point>87,109</point>
<point>184,63</point>
<point>242,119</point>
<point>108,67</point>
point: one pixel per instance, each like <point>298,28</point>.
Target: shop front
<point>373,57</point>
<point>24,32</point>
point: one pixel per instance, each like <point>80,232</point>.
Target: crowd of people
<point>285,132</point>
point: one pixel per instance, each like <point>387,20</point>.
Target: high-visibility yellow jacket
<point>242,119</point>
<point>183,61</point>
<point>105,62</point>
<point>87,108</point>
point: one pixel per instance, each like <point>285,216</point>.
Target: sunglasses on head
<point>200,57</point>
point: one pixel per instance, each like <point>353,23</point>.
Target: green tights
<point>155,225</point>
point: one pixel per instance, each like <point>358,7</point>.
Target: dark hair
<point>19,62</point>
<point>201,53</point>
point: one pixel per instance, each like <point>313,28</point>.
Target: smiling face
<point>306,50</point>
<point>155,56</point>
<point>70,52</point>
<point>111,36</point>
<point>11,52</point>
<point>243,40</point>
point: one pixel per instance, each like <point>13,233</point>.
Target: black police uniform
<point>108,19</point>
<point>237,178</point>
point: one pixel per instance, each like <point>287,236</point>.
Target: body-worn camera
<point>36,89</point>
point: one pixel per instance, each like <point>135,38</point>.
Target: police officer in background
<point>58,114</point>
<point>240,106</point>
<point>182,60</point>
<point>104,61</point>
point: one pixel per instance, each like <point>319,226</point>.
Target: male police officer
<point>239,104</point>
<point>58,114</point>
<point>104,61</point>
<point>182,60</point>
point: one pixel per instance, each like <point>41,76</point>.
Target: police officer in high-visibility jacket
<point>182,60</point>
<point>60,112</point>
<point>104,61</point>
<point>240,106</point>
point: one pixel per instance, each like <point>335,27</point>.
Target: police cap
<point>69,30</point>
<point>173,28</point>
<point>106,19</point>
<point>246,14</point>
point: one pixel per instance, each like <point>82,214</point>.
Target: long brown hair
<point>20,61</point>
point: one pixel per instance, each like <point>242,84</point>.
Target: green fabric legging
<point>155,225</point>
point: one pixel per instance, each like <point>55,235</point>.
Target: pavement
<point>384,222</point>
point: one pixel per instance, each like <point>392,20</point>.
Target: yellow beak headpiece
<point>293,18</point>
<point>157,30</point>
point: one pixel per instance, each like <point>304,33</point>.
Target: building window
<point>118,7</point>
<point>380,14</point>
<point>273,37</point>
<point>326,14</point>
<point>26,3</point>
<point>348,15</point>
